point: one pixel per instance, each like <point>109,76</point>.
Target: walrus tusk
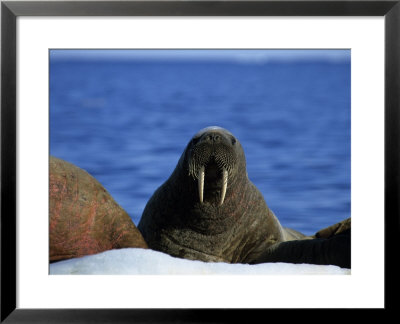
<point>224,185</point>
<point>200,183</point>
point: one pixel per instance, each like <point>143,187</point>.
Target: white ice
<point>142,261</point>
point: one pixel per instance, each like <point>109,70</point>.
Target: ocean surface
<point>127,123</point>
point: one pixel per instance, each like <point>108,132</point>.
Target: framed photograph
<point>98,83</point>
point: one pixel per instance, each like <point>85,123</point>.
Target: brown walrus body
<point>208,209</point>
<point>84,218</point>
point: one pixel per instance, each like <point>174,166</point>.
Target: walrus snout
<point>212,158</point>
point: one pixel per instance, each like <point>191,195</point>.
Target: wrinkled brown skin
<point>84,218</point>
<point>239,231</point>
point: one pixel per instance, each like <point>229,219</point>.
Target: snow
<point>134,261</point>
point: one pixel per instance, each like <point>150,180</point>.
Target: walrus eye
<point>195,140</point>
<point>233,140</point>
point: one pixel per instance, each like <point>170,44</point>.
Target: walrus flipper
<point>330,246</point>
<point>335,229</point>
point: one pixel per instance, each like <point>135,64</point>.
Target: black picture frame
<point>10,10</point>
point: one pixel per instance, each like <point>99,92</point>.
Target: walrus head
<point>211,159</point>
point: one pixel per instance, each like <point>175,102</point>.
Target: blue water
<point>128,122</point>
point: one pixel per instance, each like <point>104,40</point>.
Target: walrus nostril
<point>212,138</point>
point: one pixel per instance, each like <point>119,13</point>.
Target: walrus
<point>208,209</point>
<point>83,217</point>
